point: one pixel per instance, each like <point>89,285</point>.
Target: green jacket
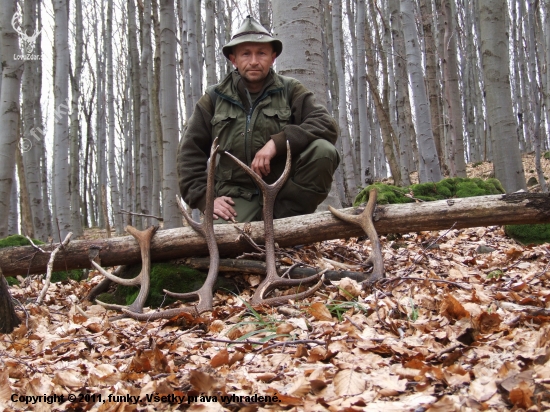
<point>284,110</point>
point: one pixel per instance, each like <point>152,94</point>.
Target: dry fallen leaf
<point>320,312</point>
<point>5,389</point>
<point>220,358</point>
<point>521,395</point>
<point>452,308</point>
<point>349,289</point>
<point>348,382</point>
<point>202,381</point>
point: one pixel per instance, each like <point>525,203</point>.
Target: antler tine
<point>206,229</point>
<point>272,279</point>
<point>365,221</point>
<point>144,240</point>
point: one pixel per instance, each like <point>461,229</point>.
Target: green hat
<point>252,31</point>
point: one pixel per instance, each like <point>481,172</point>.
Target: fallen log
<point>516,208</point>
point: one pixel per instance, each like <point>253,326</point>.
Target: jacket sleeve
<point>309,121</point>
<point>193,153</point>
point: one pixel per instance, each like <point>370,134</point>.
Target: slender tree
<point>494,52</point>
<point>170,131</point>
<point>428,160</point>
<point>9,108</point>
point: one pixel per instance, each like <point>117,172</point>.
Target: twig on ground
<point>250,241</point>
<point>402,278</point>
<point>34,246</point>
<point>257,342</point>
<point>50,268</point>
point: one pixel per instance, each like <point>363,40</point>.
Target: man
<point>253,112</point>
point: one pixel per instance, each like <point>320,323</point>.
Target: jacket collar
<point>232,86</point>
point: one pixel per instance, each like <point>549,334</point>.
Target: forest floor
<point>460,323</point>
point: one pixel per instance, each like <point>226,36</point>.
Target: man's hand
<point>261,162</point>
<point>223,209</point>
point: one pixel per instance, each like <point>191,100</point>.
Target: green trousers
<point>307,186</point>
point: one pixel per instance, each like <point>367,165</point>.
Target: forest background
<point>95,95</point>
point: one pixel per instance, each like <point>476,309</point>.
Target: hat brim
<point>253,38</point>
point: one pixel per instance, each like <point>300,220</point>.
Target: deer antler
<point>272,279</point>
<point>206,229</point>
<point>365,221</point>
<point>144,240</point>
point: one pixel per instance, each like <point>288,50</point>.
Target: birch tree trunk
<point>156,124</point>
<point>170,131</point>
<point>303,61</point>
<point>263,7</point>
<point>9,108</point>
<point>428,161</point>
<point>24,201</point>
<point>13,219</point>
<point>194,57</point>
<point>62,193</point>
<point>494,51</point>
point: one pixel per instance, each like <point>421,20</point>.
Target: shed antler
<point>206,229</point>
<point>365,221</point>
<point>272,279</point>
<point>144,240</point>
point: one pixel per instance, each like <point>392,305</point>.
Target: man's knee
<point>320,149</point>
<point>316,165</point>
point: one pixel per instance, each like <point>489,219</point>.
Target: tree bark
<point>517,208</point>
<point>494,51</point>
<point>9,109</point>
<point>8,319</point>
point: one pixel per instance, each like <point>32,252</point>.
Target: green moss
<point>445,189</point>
<point>17,240</point>
<point>176,278</point>
<point>546,155</point>
<point>12,281</point>
<point>61,276</point>
<point>528,234</point>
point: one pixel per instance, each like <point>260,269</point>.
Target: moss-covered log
<point>518,208</point>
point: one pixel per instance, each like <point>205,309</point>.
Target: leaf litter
<point>461,323</point>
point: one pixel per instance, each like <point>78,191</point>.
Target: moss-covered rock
<point>445,189</point>
<point>176,278</point>
<point>529,234</point>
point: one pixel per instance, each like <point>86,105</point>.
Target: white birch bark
<point>428,161</point>
<point>170,131</point>
<point>9,108</point>
<point>62,192</point>
<point>495,59</point>
<point>194,58</point>
<point>13,219</point>
<point>304,60</point>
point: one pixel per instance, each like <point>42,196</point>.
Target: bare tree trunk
<point>13,219</point>
<point>74,152</point>
<point>263,6</point>
<point>364,129</point>
<point>62,193</point>
<point>24,199</point>
<point>348,159</point>
<point>170,131</point>
<point>428,161</point>
<point>34,137</point>
<point>9,108</point>
<point>535,93</point>
<point>113,182</point>
<point>210,52</point>
<point>494,50</point>
<point>156,125</point>
<point>194,58</point>
<point>457,162</point>
<point>302,27</point>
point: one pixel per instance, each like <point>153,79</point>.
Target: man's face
<point>253,60</point>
